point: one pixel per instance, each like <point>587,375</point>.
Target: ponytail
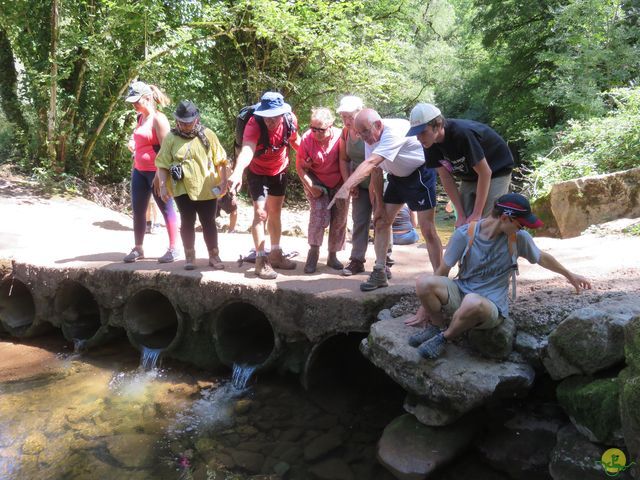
<point>159,97</point>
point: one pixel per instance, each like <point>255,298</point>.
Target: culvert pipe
<point>337,360</point>
<point>245,336</point>
<point>152,321</point>
<point>78,311</point>
<point>17,307</point>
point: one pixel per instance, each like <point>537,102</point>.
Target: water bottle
<point>217,192</point>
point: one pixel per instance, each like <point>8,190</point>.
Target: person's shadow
<point>112,225</point>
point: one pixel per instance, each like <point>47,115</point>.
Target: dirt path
<point>73,232</point>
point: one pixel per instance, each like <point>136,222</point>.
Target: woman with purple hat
<point>192,166</point>
<point>151,128</point>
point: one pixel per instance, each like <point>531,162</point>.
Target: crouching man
<point>478,298</point>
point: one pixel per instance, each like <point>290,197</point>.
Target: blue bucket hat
<point>272,104</point>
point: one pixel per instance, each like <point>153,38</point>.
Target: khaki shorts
<point>455,300</point>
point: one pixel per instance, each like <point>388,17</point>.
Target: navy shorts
<point>262,185</point>
<point>418,190</point>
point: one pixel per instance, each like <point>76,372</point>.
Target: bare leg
<point>257,227</point>
<point>433,294</point>
<point>427,221</point>
<point>474,310</point>
<point>383,232</point>
<point>274,210</point>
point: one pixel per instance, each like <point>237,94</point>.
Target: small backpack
<point>513,253</point>
<point>243,118</point>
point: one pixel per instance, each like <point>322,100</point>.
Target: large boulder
<point>494,342</point>
<point>413,451</point>
<point>587,341</point>
<point>576,458</point>
<point>574,205</point>
<point>521,447</point>
<point>453,384</point>
<point>592,406</point>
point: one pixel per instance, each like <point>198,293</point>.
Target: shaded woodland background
<point>558,79</point>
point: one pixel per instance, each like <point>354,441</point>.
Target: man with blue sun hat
<point>267,140</point>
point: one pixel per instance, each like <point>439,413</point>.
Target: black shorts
<point>262,185</point>
<point>228,204</point>
<point>418,190</point>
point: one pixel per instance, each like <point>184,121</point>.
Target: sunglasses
<point>320,130</point>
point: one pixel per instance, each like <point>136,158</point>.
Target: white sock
<point>275,247</point>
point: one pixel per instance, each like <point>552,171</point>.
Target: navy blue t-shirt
<point>466,142</point>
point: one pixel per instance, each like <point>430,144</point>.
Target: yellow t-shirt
<point>201,167</point>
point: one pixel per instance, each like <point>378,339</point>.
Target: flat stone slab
<point>453,384</point>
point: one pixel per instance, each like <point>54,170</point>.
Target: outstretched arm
<point>359,174</point>
<point>550,263</point>
<point>234,182</point>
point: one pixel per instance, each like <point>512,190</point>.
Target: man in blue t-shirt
<point>467,151</point>
<point>478,297</point>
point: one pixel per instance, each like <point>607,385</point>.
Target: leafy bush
<point>595,146</point>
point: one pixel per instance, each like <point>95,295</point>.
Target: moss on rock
<point>632,344</point>
<point>593,405</point>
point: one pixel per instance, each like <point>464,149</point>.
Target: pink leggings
<point>321,218</point>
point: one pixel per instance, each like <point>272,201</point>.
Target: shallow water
<point>96,415</point>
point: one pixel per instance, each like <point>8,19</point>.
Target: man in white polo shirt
<point>410,182</point>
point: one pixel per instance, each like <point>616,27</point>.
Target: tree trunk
<point>9,86</point>
<point>51,117</point>
<point>91,143</point>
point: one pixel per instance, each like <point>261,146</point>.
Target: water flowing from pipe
<point>149,358</point>
<point>241,375</point>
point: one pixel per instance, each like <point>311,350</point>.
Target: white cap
<point>349,104</point>
<point>422,114</point>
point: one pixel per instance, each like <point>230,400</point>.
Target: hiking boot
<point>333,262</point>
<point>433,347</point>
<point>387,270</point>
<point>278,260</point>
<point>390,262</point>
<point>171,255</point>
<point>135,254</point>
<point>422,336</point>
<point>312,260</point>
<point>377,279</point>
<point>263,268</point>
<point>189,259</point>
<point>354,267</point>
<point>214,259</point>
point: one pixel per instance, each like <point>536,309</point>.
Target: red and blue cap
<point>517,206</point>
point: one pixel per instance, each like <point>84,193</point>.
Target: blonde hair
<point>323,114</point>
<point>159,97</point>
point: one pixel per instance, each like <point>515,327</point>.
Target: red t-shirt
<point>321,160</point>
<point>272,162</point>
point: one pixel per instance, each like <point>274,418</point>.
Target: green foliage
<point>597,145</point>
<point>537,71</point>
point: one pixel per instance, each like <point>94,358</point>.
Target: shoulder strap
<point>471,233</point>
<point>513,254</point>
